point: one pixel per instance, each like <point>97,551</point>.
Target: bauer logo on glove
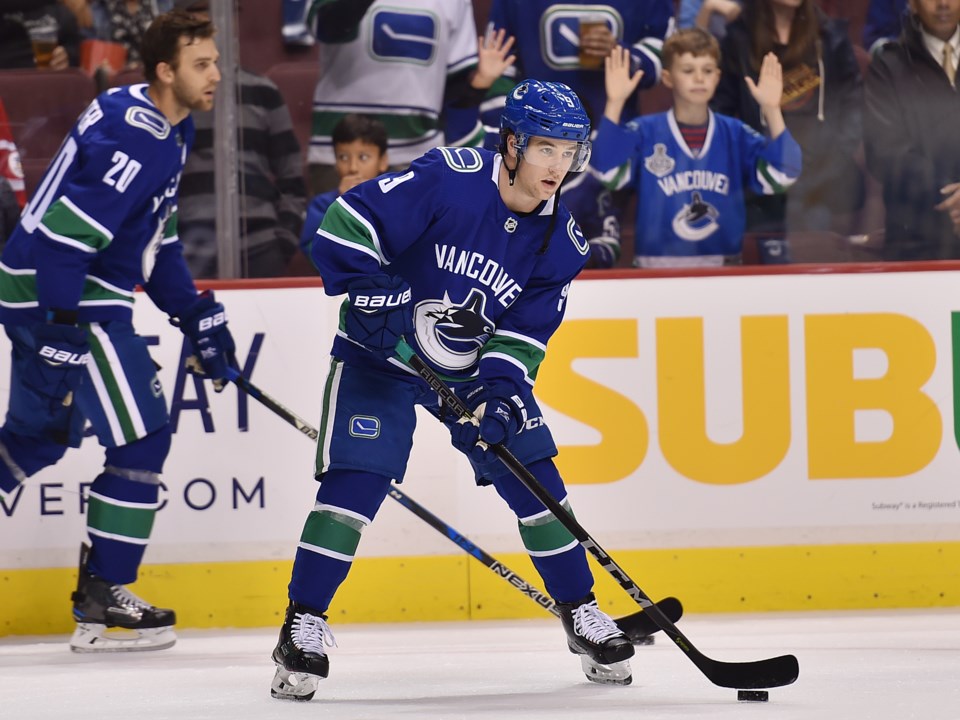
<point>55,356</point>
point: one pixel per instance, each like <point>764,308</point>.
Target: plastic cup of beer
<point>587,24</point>
<point>44,42</point>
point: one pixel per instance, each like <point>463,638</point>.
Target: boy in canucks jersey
<point>102,221</point>
<point>690,166</point>
<point>469,256</point>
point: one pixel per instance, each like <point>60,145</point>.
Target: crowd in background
<point>868,94</point>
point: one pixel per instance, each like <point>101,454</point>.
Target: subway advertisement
<point>749,442</point>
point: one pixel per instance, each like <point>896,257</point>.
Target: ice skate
<point>110,618</point>
<point>300,654</point>
<point>604,650</point>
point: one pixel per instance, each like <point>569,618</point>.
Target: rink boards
<point>749,442</point>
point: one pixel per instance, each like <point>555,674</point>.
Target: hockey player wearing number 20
<point>103,221</point>
<point>469,257</point>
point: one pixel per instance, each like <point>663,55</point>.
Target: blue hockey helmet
<point>546,109</point>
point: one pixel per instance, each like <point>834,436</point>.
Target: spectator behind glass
<point>885,20</point>
<point>711,15</point>
<point>360,150</point>
<point>125,21</point>
<point>400,60</point>
<point>9,210</point>
<point>21,18</point>
<point>567,43</point>
<point>910,126</point>
<point>273,194</point>
<point>690,166</point>
<point>822,97</point>
<point>549,44</point>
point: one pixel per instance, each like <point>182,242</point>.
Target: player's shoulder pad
<point>133,115</point>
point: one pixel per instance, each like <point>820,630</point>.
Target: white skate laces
<point>311,633</point>
<point>128,601</point>
<point>590,622</point>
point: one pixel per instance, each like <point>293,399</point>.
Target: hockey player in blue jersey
<point>102,221</point>
<point>690,166</point>
<point>469,256</point>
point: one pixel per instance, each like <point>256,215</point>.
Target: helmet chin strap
<point>511,172</point>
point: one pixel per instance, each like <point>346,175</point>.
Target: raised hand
<point>619,82</point>
<point>493,58</point>
<point>769,90</point>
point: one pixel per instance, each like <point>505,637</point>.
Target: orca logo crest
<point>451,334</point>
<point>696,220</point>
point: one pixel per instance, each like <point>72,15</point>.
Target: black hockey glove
<point>205,325</point>
<point>501,417</point>
<point>379,313</point>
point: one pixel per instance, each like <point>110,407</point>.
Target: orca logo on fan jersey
<point>696,220</point>
<point>404,36</point>
<point>451,334</point>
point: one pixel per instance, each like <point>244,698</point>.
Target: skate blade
<point>614,674</point>
<point>288,685</point>
<point>97,638</point>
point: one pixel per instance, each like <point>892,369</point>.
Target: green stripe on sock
<point>545,534</point>
<point>116,520</point>
<point>332,531</point>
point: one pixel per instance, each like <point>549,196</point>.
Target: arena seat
<point>296,82</point>
<point>42,107</point>
<point>260,39</point>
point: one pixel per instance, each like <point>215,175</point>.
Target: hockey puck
<point>752,695</point>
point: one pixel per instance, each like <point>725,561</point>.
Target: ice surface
<point>890,665</point>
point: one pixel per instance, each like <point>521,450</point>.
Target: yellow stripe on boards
<point>457,587</point>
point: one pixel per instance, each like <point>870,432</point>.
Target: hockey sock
<point>123,503</point>
<point>347,502</point>
<point>558,557</point>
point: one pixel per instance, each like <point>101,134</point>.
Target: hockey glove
<point>379,313</point>
<point>500,419</point>
<point>205,325</point>
<point>62,354</point>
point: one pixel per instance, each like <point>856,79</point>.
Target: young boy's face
<point>693,79</point>
<point>359,161</point>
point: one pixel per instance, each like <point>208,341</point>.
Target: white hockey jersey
<point>396,68</point>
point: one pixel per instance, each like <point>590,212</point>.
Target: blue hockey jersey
<point>486,295</point>
<point>103,218</point>
<point>688,203</point>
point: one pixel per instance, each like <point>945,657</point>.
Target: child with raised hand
<point>689,165</point>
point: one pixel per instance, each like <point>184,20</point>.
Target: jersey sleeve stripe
<point>357,228</point>
<point>66,240</point>
<point>523,339</point>
<point>650,48</point>
<point>461,64</point>
<point>774,181</point>
<point>67,224</point>
<point>87,218</point>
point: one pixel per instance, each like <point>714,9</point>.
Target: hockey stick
<point>638,627</point>
<point>771,672</point>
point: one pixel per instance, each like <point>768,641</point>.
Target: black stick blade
<point>769,673</point>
